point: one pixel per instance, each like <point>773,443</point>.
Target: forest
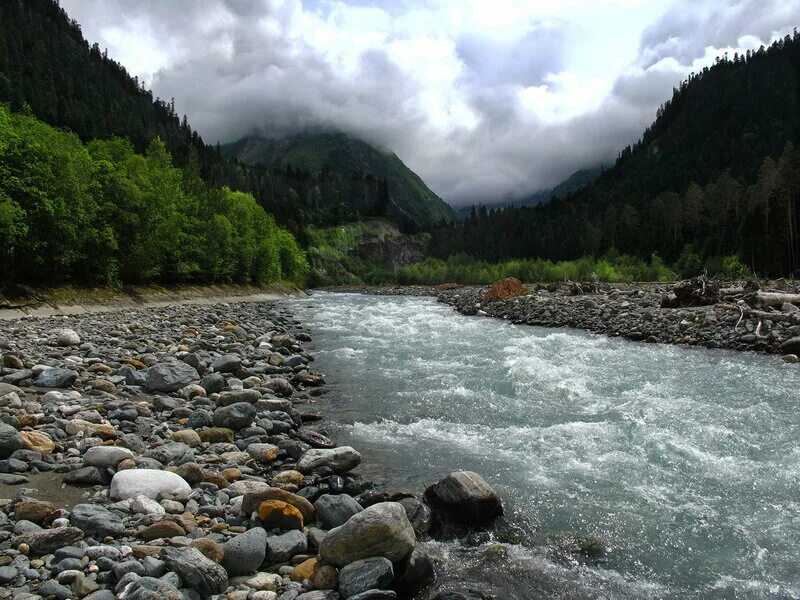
<point>717,174</point>
<point>101,213</point>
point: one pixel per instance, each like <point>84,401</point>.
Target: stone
<point>198,572</point>
<point>95,519</point>
<point>791,358</point>
<point>187,436</point>
<point>227,363</point>
<point>375,595</point>
<point>149,482</point>
<point>275,514</point>
<point>415,573</point>
<point>263,453</point>
<point>209,548</point>
<point>37,441</point>
<point>306,570</point>
<point>12,362</point>
<point>234,396</point>
<point>47,541</point>
<point>214,435</point>
<point>10,440</point>
<point>382,529</point>
<point>333,511</point>
<point>464,594</point>
<point>281,548</point>
<point>67,337</point>
<point>191,472</point>
<point>86,476</point>
<point>419,514</point>
<point>340,460</point>
<point>319,595</point>
<point>170,376</point>
<point>290,477</point>
<point>791,346</point>
<point>465,497</point>
<point>56,377</point>
<point>253,499</point>
<point>53,589</point>
<point>142,505</point>
<point>106,456</point>
<point>245,552</point>
<point>235,416</point>
<point>280,386</point>
<point>265,582</point>
<point>150,588</point>
<point>161,530</point>
<point>35,511</point>
<point>374,573</point>
<point>213,383</point>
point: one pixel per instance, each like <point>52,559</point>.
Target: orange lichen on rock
<point>505,288</point>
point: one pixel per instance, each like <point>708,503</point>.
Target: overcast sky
<point>486,99</point>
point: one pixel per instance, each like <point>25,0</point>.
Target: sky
<point>487,100</point>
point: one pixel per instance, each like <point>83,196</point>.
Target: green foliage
<point>102,213</point>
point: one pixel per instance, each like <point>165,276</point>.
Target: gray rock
<point>245,552</point>
<point>170,376</point>
<point>149,588</point>
<point>148,482</point>
<point>95,519</point>
<point>415,574</point>
<point>86,476</point>
<point>319,595</point>
<point>12,479</point>
<point>368,574</point>
<point>106,456</point>
<point>198,572</point>
<point>213,383</point>
<point>56,377</point>
<point>791,346</point>
<point>228,363</point>
<point>341,459</point>
<point>235,416</point>
<point>8,574</point>
<point>235,396</point>
<point>419,514</point>
<point>375,595</point>
<point>10,440</point>
<point>333,511</point>
<point>382,529</point>
<point>465,497</point>
<point>54,589</point>
<point>100,595</point>
<point>281,548</point>
<point>67,337</point>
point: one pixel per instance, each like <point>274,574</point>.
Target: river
<point>684,463</point>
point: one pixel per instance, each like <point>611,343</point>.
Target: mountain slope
<point>716,174</point>
<point>336,154</point>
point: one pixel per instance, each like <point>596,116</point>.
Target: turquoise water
<point>684,462</point>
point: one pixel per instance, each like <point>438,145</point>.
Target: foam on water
<point>683,461</point>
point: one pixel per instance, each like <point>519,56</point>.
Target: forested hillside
<point>47,65</point>
<point>337,168</point>
<point>716,174</point>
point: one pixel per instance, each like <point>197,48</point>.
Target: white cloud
<point>485,99</point>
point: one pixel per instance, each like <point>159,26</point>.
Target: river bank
<point>633,311</point>
<point>201,464</point>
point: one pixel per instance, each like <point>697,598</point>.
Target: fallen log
<point>773,299</point>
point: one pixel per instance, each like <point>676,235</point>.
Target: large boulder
<point>374,573</point>
<point>170,376</point>
<point>201,574</point>
<point>382,529</point>
<point>245,552</point>
<point>466,498</point>
<point>148,482</point>
<point>341,459</point>
<point>10,440</point>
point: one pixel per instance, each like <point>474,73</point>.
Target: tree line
<point>99,212</point>
<point>717,174</point>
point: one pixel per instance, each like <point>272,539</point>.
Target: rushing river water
<point>684,462</point>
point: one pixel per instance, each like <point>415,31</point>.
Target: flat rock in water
<point>465,497</point>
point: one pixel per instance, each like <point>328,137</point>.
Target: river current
<point>684,463</point>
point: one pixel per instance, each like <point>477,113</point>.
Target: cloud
<point>485,100</point>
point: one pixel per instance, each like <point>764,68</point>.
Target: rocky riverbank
<point>174,452</point>
<point>733,320</point>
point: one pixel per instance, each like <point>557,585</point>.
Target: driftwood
<point>773,299</point>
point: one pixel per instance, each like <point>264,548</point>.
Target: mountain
<point>717,174</point>
<point>572,183</point>
<point>328,155</point>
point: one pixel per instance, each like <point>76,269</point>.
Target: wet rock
<point>367,574</point>
<point>419,514</point>
<point>340,460</point>
<point>149,482</point>
<point>415,573</point>
<point>791,346</point>
<point>333,511</point>
<point>382,529</point>
<point>465,497</point>
<point>170,376</point>
<point>245,552</point>
<point>199,573</point>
